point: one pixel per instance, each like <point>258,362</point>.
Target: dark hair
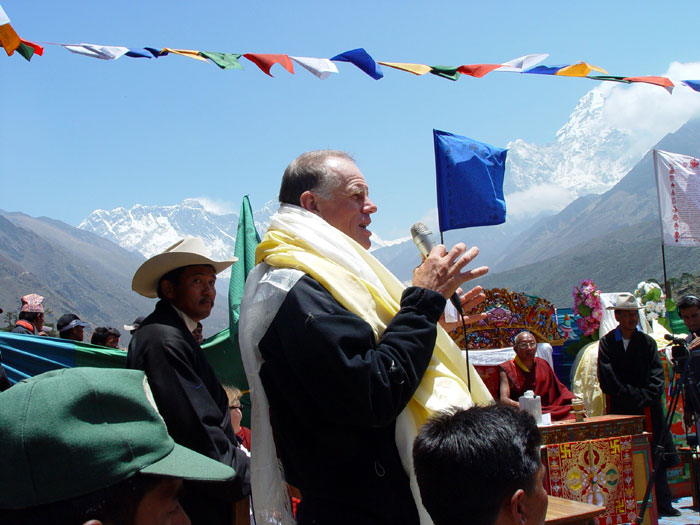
<point>115,505</point>
<point>29,316</point>
<point>172,276</point>
<point>101,333</point>
<point>688,301</point>
<point>309,171</point>
<point>469,462</point>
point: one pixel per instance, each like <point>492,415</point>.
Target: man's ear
<point>517,511</point>
<point>309,201</point>
<point>167,289</point>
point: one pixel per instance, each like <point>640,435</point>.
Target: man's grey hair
<point>520,335</point>
<point>310,172</point>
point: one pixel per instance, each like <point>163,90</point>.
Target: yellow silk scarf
<point>445,382</point>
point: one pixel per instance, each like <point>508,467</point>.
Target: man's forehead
<point>199,269</point>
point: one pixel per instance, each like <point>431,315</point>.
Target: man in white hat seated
<point>631,374</point>
<point>343,361</point>
<point>188,394</point>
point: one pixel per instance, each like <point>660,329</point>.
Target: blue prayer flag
<point>469,177</point>
<point>140,52</point>
<point>362,60</point>
<point>692,84</point>
<point>546,70</point>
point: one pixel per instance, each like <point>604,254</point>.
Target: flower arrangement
<point>652,298</point>
<point>588,306</point>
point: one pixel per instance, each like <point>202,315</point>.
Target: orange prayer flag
<point>9,39</point>
<point>265,62</point>
<point>477,70</point>
<point>579,70</point>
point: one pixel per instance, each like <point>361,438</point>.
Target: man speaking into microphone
<point>344,363</point>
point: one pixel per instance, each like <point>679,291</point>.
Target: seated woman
<point>527,372</point>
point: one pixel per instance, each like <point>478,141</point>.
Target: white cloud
<point>541,198</point>
<point>650,112</point>
<point>218,206</point>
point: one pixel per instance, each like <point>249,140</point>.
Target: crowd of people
<point>31,318</point>
<point>361,404</point>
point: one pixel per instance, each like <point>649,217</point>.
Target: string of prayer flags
<point>97,51</point>
<point>266,61</point>
<point>8,37</point>
<point>692,84</point>
<point>416,69</point>
<point>469,176</point>
<point>321,67</point>
<point>361,59</point>
<point>223,60</point>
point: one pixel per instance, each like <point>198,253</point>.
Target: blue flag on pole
<point>469,177</point>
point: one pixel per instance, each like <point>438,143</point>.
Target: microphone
<point>675,340</point>
<point>423,238</point>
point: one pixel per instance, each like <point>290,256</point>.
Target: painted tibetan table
<point>603,460</point>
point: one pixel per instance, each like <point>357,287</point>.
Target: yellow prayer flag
<point>184,53</point>
<point>9,39</point>
<point>579,70</point>
<point>416,69</point>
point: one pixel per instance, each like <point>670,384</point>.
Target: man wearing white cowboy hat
<point>630,372</point>
<point>188,394</point>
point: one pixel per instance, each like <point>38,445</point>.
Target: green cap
<point>70,432</point>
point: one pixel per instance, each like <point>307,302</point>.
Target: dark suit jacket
<point>189,396</point>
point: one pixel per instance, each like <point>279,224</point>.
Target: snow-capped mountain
<point>148,230</point>
<point>589,155</point>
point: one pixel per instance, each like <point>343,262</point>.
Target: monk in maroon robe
<point>527,372</point>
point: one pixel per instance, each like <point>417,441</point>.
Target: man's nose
<point>369,207</point>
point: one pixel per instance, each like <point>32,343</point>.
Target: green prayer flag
<point>26,51</point>
<point>223,60</point>
<point>448,72</point>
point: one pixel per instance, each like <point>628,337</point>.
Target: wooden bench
<point>562,510</point>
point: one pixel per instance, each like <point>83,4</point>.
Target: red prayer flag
<point>36,47</point>
<point>477,70</point>
<point>265,62</point>
<point>657,81</point>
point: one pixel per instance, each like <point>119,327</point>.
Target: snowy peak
<point>148,230</point>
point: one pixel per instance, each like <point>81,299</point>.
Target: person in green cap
<point>88,446</point>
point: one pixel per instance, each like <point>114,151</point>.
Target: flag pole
<point>667,286</point>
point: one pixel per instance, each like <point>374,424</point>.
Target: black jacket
<point>334,397</point>
<point>190,398</point>
<point>634,379</point>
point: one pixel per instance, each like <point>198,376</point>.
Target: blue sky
<point>78,134</point>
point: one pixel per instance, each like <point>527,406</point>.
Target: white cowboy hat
<point>185,252</point>
<point>625,301</point>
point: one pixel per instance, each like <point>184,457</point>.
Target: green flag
<point>222,349</point>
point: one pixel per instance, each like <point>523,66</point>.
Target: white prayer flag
<point>678,187</point>
<point>4,19</point>
<point>321,67</point>
<point>518,65</point>
<point>95,51</point>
